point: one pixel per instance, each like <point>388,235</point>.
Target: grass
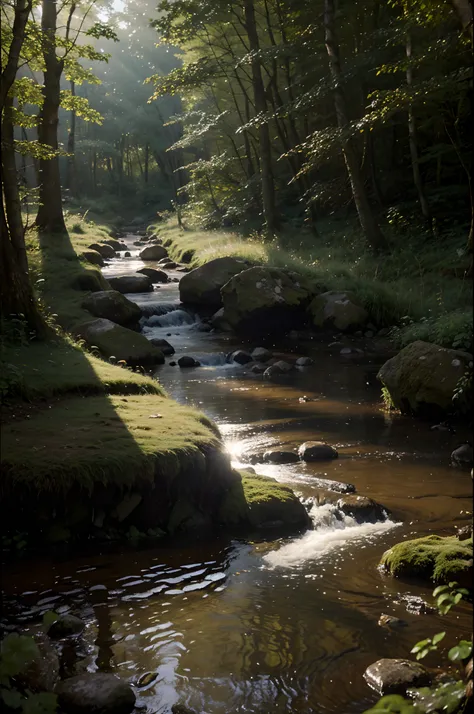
<point>418,286</point>
<point>432,557</point>
<point>120,440</point>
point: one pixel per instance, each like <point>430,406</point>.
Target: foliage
<point>17,652</point>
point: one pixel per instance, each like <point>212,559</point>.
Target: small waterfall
<point>157,308</point>
<point>172,318</point>
<point>332,529</point>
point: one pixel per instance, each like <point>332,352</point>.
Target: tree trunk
<point>413,141</point>
<point>146,162</point>
<point>71,147</point>
<point>22,12</point>
<point>50,218</point>
<point>372,231</point>
<point>268,188</point>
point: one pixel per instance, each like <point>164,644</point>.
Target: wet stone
<point>277,456</point>
<point>188,361</point>
<point>98,693</point>
<point>66,626</point>
<point>317,451</point>
<point>396,676</point>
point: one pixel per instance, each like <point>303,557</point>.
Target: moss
<point>51,369</point>
<point>261,501</point>
<point>437,558</point>
<point>103,439</point>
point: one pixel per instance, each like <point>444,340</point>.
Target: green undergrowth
<point>43,370</point>
<point>108,439</point>
<point>436,558</point>
<point>419,286</point>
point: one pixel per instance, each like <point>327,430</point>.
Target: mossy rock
<point>113,306</point>
<point>336,309</point>
<point>202,286</point>
<point>436,558</point>
<point>106,251</point>
<point>120,342</point>
<point>153,252</point>
<point>93,256</point>
<point>421,379</point>
<point>267,300</point>
<point>262,502</point>
<point>131,283</point>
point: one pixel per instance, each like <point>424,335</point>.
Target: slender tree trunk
<point>50,216</point>
<point>94,169</point>
<point>372,231</point>
<point>146,162</point>
<point>413,141</point>
<point>268,188</point>
<point>71,147</point>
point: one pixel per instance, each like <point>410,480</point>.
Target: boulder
<point>42,674</point>
<point>93,256</point>
<point>163,344</point>
<point>361,508</point>
<point>241,357</point>
<point>219,322</point>
<point>336,309</point>
<point>126,506</point>
<point>127,254</point>
<point>170,265</point>
<point>153,252</point>
<point>156,276</point>
<point>304,362</point>
<point>280,456</point>
<point>116,341</point>
<point>188,361</point>
<point>65,626</point>
<point>434,558</point>
<point>106,251</point>
<point>113,306</point>
<point>260,354</point>
<point>421,379</point>
<point>265,300</point>
<point>282,366</point>
<point>317,451</point>
<point>202,286</point>
<point>396,676</point>
<point>257,368</point>
<point>115,244</point>
<point>131,284</point>
<point>97,693</point>
<point>463,455</point>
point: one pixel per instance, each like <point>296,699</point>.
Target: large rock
<point>93,256</point>
<point>98,693</point>
<point>396,676</point>
<point>317,451</point>
<point>131,284</point>
<point>42,674</point>
<point>265,300</point>
<point>115,340</point>
<point>163,344</point>
<point>241,357</point>
<point>341,310</point>
<point>421,379</point>
<point>436,558</point>
<point>202,286</point>
<point>463,455</point>
<point>261,354</point>
<point>116,244</point>
<point>65,626</point>
<point>113,306</point>
<point>280,456</point>
<point>153,252</point>
<point>106,251</point>
<point>362,509</point>
<point>219,322</point>
<point>156,276</point>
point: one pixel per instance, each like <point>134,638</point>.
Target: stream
<point>227,625</point>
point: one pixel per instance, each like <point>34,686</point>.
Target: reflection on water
<point>262,627</point>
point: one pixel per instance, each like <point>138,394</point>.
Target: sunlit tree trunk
<point>268,188</point>
<point>71,148</point>
<point>372,231</point>
<point>50,216</point>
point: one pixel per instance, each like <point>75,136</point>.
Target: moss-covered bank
<point>91,449</point>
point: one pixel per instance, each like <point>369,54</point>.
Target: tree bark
<point>22,12</point>
<point>268,188</point>
<point>71,148</point>
<point>50,218</point>
<point>146,162</point>
<point>413,141</point>
<point>374,235</point>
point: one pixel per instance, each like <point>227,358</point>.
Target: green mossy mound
<point>339,309</point>
<point>113,340</point>
<point>262,502</point>
<point>202,286</point>
<point>113,306</point>
<point>436,558</point>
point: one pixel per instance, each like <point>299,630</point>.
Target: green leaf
<point>440,589</point>
<point>423,653</point>
<point>438,637</point>
<point>11,698</point>
<point>419,645</point>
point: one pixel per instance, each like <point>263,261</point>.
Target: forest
<point>236,339</point>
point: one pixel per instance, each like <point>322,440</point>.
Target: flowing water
<point>267,626</point>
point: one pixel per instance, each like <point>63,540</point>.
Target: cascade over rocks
<point>156,276</point>
<point>202,286</point>
<point>131,284</point>
<point>265,300</point>
<point>106,251</point>
<point>114,340</point>
<point>396,676</point>
<point>421,379</point>
<point>114,306</point>
<point>153,252</point>
<point>336,309</point>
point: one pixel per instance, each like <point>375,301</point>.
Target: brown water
<point>276,626</point>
